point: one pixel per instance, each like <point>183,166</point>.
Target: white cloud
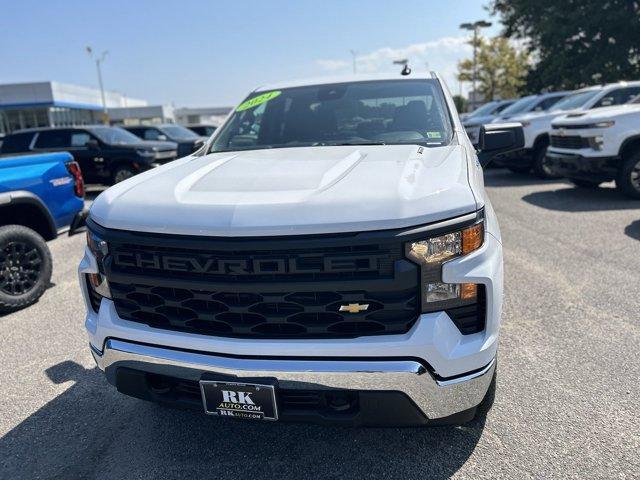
<point>441,55</point>
<point>332,65</point>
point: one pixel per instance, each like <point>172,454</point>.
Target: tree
<point>575,42</point>
<point>501,68</point>
<point>461,103</point>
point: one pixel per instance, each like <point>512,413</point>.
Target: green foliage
<point>460,102</point>
<point>575,42</point>
<point>501,68</point>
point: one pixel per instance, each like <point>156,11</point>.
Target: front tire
<point>628,179</point>
<point>25,267</point>
<point>580,183</point>
<point>122,173</point>
<point>541,165</point>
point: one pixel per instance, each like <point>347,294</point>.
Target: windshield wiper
<point>352,143</point>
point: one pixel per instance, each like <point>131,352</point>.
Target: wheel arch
<point>630,144</point>
<point>22,207</point>
<point>540,140</point>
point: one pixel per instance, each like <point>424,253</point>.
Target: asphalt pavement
<point>567,403</point>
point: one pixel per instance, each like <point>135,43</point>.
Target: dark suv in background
<point>106,155</point>
<point>188,141</point>
<point>202,129</point>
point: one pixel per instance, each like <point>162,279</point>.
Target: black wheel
<point>542,166</point>
<point>25,267</point>
<point>628,179</point>
<point>580,183</point>
<point>519,168</point>
<point>121,173</point>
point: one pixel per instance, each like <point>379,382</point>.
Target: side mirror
<point>497,139</point>
<point>198,144</point>
<point>162,138</point>
<point>92,144</point>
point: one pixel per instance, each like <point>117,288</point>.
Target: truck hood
<point>289,191</point>
<point>598,114</point>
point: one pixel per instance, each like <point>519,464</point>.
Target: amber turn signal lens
<point>472,238</point>
<point>95,280</point>
<point>469,291</point>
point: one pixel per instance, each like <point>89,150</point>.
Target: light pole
<point>354,55</point>
<point>475,28</point>
<point>99,61</point>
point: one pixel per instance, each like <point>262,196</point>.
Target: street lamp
<point>354,55</point>
<point>475,28</point>
<point>99,61</point>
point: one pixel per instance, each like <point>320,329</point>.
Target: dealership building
<point>44,104</point>
<point>55,104</point>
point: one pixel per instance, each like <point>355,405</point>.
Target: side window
<point>628,94</point>
<point>53,139</point>
<point>16,143</point>
<point>501,107</point>
<point>547,103</point>
<point>151,134</point>
<point>617,97</point>
<point>80,139</point>
<point>135,131</point>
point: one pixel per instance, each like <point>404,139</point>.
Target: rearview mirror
<point>92,144</point>
<point>198,144</point>
<point>497,139</point>
<point>162,138</point>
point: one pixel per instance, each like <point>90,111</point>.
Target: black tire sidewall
<point>623,180</point>
<point>120,168</point>
<point>13,233</point>
<point>580,183</point>
<point>538,162</point>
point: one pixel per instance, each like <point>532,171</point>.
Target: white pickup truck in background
<point>594,147</point>
<point>537,126</point>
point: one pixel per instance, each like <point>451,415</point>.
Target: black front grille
<point>264,288</point>
<point>266,314</point>
<point>570,141</point>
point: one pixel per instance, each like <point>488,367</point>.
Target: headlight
<point>605,124</point>
<point>146,153</point>
<point>99,249</point>
<point>431,253</point>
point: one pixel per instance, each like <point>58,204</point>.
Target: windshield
<point>357,113</point>
<point>115,136</point>
<point>575,100</point>
<point>522,105</point>
<point>485,109</point>
<point>635,100</point>
<point>176,131</point>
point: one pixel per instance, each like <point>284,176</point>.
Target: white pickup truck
<point>598,146</point>
<point>537,126</point>
<point>330,255</point>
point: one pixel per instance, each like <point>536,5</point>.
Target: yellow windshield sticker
<point>259,100</point>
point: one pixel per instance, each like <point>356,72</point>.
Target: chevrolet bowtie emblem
<point>354,307</point>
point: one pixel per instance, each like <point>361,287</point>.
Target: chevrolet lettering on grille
<point>248,265</point>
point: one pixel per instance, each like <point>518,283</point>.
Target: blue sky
<point>212,53</point>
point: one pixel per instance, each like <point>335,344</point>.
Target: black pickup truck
<point>106,155</point>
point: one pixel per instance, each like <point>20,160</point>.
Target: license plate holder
<point>244,400</point>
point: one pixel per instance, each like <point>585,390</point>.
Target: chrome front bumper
<point>436,398</point>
